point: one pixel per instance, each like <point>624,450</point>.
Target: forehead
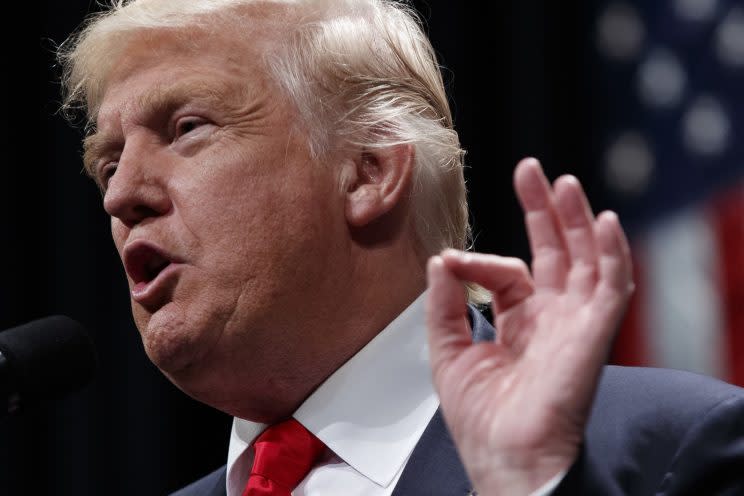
<point>163,66</point>
<point>243,30</point>
<point>160,73</point>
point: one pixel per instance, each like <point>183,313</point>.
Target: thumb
<point>446,315</point>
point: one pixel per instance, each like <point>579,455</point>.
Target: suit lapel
<point>482,329</point>
<point>220,486</point>
<point>434,467</point>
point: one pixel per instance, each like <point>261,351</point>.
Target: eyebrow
<point>161,101</point>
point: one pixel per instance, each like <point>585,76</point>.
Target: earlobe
<point>382,179</point>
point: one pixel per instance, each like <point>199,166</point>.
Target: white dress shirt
<point>370,414</point>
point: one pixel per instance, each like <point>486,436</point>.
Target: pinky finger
<point>615,265</point>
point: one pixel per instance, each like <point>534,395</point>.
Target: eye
<point>187,125</point>
<point>106,172</point>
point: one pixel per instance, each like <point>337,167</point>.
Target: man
<point>278,174</point>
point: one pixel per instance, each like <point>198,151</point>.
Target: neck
<point>371,293</point>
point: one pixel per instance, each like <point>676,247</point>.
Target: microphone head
<point>43,360</point>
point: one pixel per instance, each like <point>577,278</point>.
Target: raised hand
<point>517,407</point>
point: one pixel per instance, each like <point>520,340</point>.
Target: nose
<point>138,189</point>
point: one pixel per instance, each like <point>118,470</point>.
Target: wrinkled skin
<point>517,407</point>
<point>201,157</point>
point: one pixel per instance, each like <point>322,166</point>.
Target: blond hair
<point>362,69</point>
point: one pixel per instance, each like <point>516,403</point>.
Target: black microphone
<point>43,360</point>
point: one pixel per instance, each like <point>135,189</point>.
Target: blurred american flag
<point>669,83</point>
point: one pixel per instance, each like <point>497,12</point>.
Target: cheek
<point>118,234</point>
<point>232,207</point>
<point>253,215</point>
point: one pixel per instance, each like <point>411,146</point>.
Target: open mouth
<point>143,262</point>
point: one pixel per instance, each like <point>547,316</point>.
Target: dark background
<point>521,75</point>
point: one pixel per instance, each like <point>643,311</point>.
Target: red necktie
<point>285,453</point>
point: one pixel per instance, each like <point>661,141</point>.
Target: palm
<point>522,401</point>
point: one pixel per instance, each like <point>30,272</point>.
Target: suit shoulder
<point>641,388</point>
<point>212,484</point>
<point>660,431</point>
<point>630,400</point>
<point>652,416</point>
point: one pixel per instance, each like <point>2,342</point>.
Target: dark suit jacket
<point>651,432</point>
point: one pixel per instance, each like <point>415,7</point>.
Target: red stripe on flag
<point>728,219</point>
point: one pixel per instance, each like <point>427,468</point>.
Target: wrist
<point>520,474</point>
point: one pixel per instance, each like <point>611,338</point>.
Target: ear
<point>379,180</point>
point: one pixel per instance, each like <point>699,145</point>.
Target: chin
<point>170,342</point>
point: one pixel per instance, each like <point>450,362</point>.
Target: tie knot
<point>284,454</point>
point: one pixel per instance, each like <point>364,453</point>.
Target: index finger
<point>507,278</point>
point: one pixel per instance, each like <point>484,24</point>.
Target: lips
<point>147,266</point>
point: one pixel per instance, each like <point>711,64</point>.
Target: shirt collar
<point>372,411</point>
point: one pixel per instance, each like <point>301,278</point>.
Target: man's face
<point>225,225</point>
